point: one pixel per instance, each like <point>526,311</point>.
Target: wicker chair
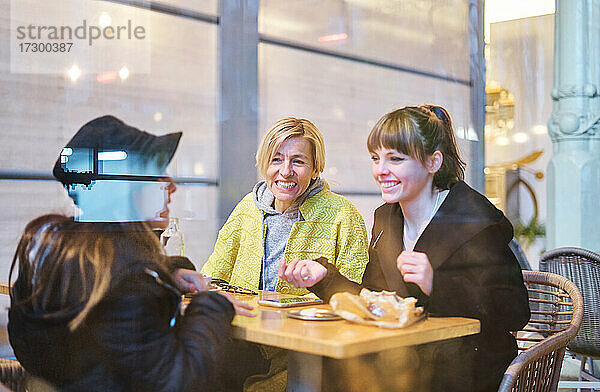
<point>543,341</point>
<point>582,267</point>
<point>12,375</point>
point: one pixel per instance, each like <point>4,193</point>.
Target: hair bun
<point>438,111</point>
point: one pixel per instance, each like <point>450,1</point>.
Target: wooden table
<point>310,341</point>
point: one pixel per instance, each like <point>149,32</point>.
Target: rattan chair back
<point>554,322</point>
<point>581,267</point>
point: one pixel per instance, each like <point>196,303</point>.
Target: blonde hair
<point>285,129</point>
<point>56,255</point>
<point>419,131</point>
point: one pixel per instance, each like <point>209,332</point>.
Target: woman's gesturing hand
<point>301,273</point>
<point>190,281</point>
<point>241,307</point>
<point>416,268</point>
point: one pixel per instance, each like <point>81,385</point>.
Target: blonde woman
<point>96,305</point>
<point>290,215</point>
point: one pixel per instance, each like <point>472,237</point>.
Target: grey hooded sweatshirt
<point>277,227</point>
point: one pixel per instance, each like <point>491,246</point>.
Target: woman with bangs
<point>440,241</point>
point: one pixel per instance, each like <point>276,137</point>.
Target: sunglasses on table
<point>226,286</point>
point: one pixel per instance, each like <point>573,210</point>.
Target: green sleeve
<point>352,247</point>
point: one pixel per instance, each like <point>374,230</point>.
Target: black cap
<point>109,133</point>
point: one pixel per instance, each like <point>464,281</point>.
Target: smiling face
<point>401,178</point>
<point>290,171</point>
<point>169,188</point>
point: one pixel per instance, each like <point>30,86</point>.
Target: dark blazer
<point>128,342</point>
<point>475,275</point>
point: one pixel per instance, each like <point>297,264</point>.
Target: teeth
<point>388,184</point>
<point>287,185</point>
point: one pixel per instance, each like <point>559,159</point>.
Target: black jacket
<point>475,275</point>
<point>127,342</point>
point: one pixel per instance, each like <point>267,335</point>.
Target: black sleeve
<point>173,263</point>
<point>333,282</point>
<point>373,278</point>
<point>482,279</point>
<point>143,348</point>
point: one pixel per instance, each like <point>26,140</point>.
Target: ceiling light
<point>74,73</point>
<point>104,20</point>
<point>333,37</point>
<point>106,77</point>
<point>520,137</point>
<point>198,169</point>
<point>123,73</point>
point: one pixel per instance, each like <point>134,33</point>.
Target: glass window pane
<point>344,99</point>
<point>519,83</point>
<point>209,7</point>
<point>196,206</point>
<point>430,35</point>
<point>24,201</point>
<point>40,112</point>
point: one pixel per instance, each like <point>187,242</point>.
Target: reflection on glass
<point>115,185</point>
<point>344,99</point>
<point>430,35</point>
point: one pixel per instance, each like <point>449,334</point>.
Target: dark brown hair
<point>419,131</point>
<point>57,256</point>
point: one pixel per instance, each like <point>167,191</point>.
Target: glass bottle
<point>172,239</point>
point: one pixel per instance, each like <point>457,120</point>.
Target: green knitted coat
<point>332,228</point>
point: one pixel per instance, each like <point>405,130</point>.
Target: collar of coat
<point>463,214</point>
<point>308,207</point>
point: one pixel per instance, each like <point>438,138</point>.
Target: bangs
<point>398,132</point>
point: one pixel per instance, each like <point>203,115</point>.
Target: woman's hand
<point>302,273</point>
<point>416,268</point>
<point>241,308</point>
<point>190,281</point>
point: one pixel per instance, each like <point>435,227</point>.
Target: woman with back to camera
<point>96,305</point>
<point>292,214</point>
<point>440,241</point>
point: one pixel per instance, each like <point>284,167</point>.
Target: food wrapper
<point>384,309</point>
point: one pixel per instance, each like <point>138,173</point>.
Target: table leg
<point>305,372</point>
